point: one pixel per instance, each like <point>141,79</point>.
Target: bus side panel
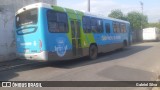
<point>110,41</point>
<point>58,45</point>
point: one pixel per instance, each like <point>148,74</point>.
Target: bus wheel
<point>93,52</point>
<point>125,43</point>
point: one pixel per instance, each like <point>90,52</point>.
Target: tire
<point>125,44</point>
<point>93,52</point>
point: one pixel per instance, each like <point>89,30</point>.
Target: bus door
<point>76,40</point>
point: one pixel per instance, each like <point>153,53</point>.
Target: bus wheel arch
<point>93,51</point>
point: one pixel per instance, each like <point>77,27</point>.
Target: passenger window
<point>57,22</point>
<point>116,27</point>
<point>123,28</point>
<point>86,24</point>
<point>108,30</point>
<point>100,26</point>
<point>94,25</point>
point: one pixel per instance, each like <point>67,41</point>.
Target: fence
<point>137,36</point>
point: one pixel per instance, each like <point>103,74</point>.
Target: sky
<point>151,8</point>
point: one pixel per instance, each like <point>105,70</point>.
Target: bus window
<point>86,24</point>
<point>96,25</point>
<point>118,27</point>
<point>123,28</point>
<point>99,26</point>
<point>52,16</point>
<point>62,17</point>
<point>57,22</point>
<point>27,17</point>
<point>108,29</point>
<point>115,27</point>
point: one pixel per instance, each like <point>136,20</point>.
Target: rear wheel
<point>93,52</point>
<point>125,43</point>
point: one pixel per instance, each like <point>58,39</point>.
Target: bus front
<point>30,34</point>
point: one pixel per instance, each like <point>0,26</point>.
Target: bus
<point>151,34</point>
<point>45,32</point>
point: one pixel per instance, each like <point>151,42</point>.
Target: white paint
<point>36,56</point>
<point>61,47</point>
<point>106,37</point>
<point>35,43</point>
<point>26,44</point>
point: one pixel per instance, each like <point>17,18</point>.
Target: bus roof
<point>36,5</point>
<point>31,6</point>
<point>103,17</point>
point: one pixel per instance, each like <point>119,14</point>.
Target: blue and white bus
<point>45,32</point>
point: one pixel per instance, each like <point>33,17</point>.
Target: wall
<point>7,34</point>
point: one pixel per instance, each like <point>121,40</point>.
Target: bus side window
<point>108,29</point>
<point>62,22</point>
<point>94,25</point>
<point>114,27</point>
<point>86,24</point>
<point>57,22</point>
<point>118,27</point>
<point>99,26</point>
<point>123,28</point>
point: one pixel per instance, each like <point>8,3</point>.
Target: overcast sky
<point>104,7</point>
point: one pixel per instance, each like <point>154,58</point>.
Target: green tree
<point>118,14</point>
<point>137,20</point>
<point>154,25</point>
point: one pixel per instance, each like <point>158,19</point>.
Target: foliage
<point>154,25</point>
<point>137,20</point>
<point>118,14</point>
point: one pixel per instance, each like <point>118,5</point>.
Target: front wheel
<point>93,52</point>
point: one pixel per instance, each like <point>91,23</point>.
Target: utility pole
<point>89,6</point>
<point>141,3</point>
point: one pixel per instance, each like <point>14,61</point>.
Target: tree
<point>154,25</point>
<point>118,14</point>
<point>137,20</point>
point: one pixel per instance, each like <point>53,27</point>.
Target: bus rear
<point>30,33</point>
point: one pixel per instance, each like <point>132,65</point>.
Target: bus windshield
<point>26,18</point>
